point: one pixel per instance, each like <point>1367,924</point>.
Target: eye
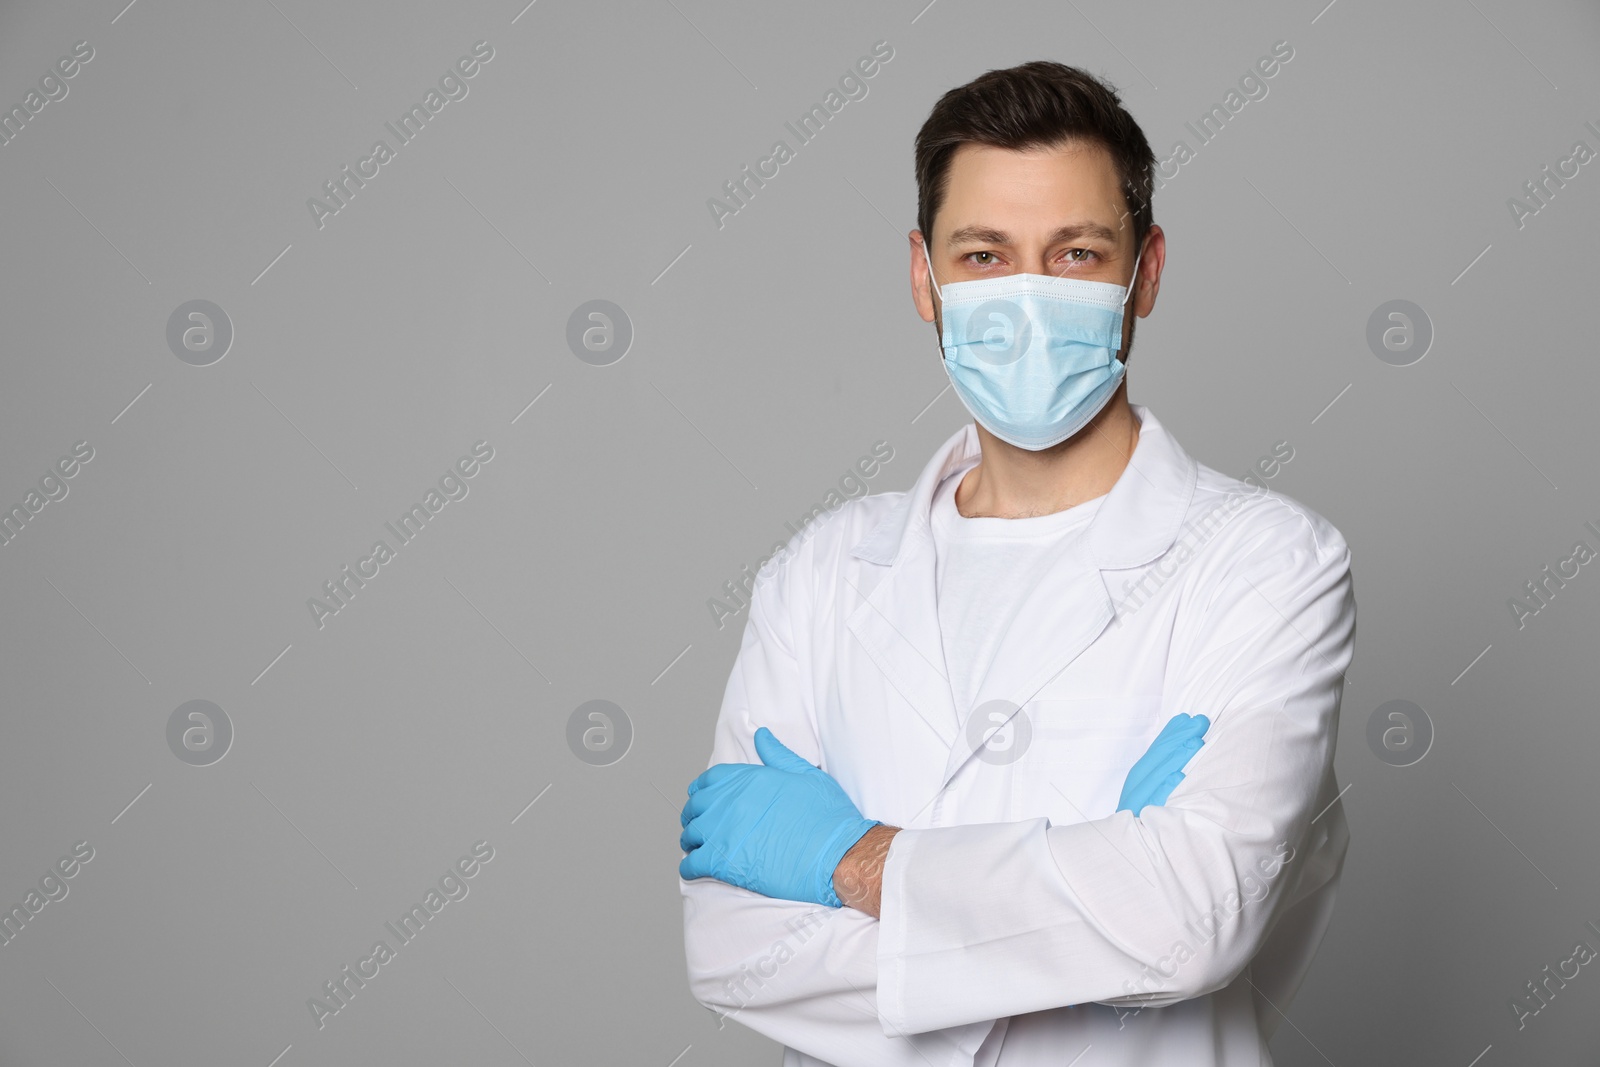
<point>1078,255</point>
<point>969,256</point>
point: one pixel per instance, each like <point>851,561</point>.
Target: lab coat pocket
<point>1079,754</point>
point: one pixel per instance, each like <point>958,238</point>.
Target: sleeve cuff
<point>892,933</point>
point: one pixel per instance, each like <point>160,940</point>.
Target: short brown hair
<point>1039,104</point>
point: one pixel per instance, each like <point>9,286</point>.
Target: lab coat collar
<point>1138,520</point>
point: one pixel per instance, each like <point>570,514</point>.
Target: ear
<point>1152,261</point>
<point>922,285</point>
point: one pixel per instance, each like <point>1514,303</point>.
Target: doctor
<point>1032,763</point>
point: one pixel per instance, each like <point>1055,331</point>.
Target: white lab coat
<point>1023,918</point>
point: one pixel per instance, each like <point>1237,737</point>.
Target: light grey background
<point>768,355</point>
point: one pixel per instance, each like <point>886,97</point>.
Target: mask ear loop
<point>1131,283</point>
<point>1134,280</point>
<point>931,280</point>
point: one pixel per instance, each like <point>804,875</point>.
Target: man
<point>928,834</point>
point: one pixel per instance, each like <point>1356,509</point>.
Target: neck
<point>1014,483</point>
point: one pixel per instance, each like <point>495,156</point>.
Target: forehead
<point>1032,190</point>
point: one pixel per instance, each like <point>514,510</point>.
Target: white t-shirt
<point>984,568</point>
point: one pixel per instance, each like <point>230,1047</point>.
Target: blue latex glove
<point>1158,772</point>
<point>778,827</point>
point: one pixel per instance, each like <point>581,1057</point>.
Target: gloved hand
<point>1158,772</point>
<point>778,827</point>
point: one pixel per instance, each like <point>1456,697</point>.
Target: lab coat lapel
<point>898,621</point>
<point>898,625</point>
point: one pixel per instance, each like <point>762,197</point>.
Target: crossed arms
<point>978,922</point>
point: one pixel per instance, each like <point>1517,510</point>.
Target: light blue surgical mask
<point>1032,356</point>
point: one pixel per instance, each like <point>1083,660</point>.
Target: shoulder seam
<point>1294,508</point>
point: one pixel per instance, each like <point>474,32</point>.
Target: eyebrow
<point>1072,231</point>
